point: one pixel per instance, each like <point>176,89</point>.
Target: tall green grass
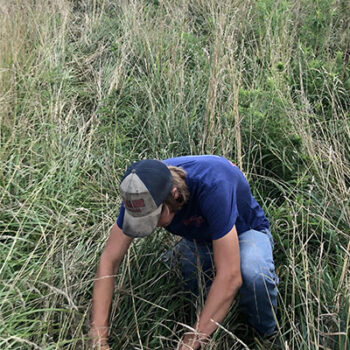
<point>86,87</point>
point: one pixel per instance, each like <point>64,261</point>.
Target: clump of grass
<point>88,87</point>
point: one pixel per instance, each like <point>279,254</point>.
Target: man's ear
<point>175,193</point>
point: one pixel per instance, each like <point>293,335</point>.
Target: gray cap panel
<point>141,212</point>
<point>137,199</point>
<point>140,227</point>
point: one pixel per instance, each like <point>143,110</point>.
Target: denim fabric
<point>258,294</point>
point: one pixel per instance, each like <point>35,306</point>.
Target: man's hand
<point>192,341</point>
<point>99,338</point>
<point>100,347</point>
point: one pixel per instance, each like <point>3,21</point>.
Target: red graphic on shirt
<point>194,221</point>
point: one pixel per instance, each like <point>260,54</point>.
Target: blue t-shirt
<point>220,198</point>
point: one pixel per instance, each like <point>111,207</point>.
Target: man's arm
<point>226,283</point>
<point>112,255</point>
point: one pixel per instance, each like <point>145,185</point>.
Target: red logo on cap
<point>135,205</point>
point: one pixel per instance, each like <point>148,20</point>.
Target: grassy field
<point>88,86</point>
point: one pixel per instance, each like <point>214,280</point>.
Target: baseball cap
<point>144,187</point>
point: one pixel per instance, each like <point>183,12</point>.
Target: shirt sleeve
<point>219,207</point>
<point>120,218</point>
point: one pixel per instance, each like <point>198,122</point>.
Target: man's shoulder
<point>198,161</point>
<point>207,173</point>
<point>206,168</point>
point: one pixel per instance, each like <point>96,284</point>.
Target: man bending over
<point>207,201</point>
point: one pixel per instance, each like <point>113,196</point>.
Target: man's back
<point>220,198</point>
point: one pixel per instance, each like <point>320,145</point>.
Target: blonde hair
<point>179,181</point>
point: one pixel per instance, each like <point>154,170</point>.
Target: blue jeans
<point>258,294</point>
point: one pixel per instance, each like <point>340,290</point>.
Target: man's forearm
<point>102,298</point>
<point>219,301</point>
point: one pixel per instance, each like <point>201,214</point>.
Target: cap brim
<point>141,226</point>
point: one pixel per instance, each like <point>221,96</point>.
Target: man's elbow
<point>231,283</point>
<point>239,281</point>
<point>234,283</point>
